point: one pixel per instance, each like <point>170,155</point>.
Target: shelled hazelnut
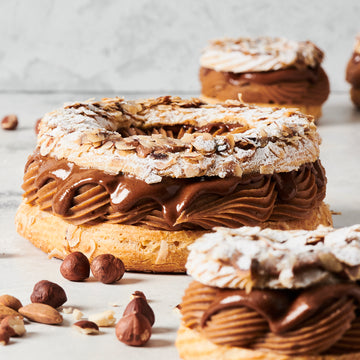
<point>133,329</point>
<point>75,267</point>
<point>47,292</point>
<point>140,305</point>
<point>9,122</point>
<point>107,268</point>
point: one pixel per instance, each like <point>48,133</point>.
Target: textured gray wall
<point>153,45</point>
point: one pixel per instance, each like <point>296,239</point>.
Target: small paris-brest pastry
<point>353,73</point>
<point>265,71</point>
<point>141,180</point>
<point>272,295</point>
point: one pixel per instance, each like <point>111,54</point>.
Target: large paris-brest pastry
<point>143,179</point>
<point>270,294</point>
<point>265,71</point>
<point>353,73</point>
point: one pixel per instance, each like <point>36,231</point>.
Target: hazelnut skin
<point>4,337</point>
<point>9,122</point>
<point>107,268</point>
<point>138,293</point>
<point>75,267</point>
<point>49,293</point>
<point>14,325</point>
<point>133,329</point>
<point>140,305</point>
<point>86,327</point>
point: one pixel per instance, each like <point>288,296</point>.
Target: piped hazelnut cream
<point>287,86</point>
<point>289,293</point>
<point>85,196</point>
<point>264,70</point>
<point>291,322</point>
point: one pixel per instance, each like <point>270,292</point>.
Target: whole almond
<point>10,301</point>
<point>41,313</point>
<point>6,311</point>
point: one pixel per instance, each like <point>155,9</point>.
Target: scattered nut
<point>133,329</point>
<point>177,310</point>
<point>4,337</point>
<point>86,327</point>
<point>139,305</point>
<point>75,267</point>
<point>10,301</point>
<point>41,313</point>
<point>107,268</point>
<point>6,311</point>
<point>77,314</point>
<point>47,292</point>
<point>67,310</point>
<point>9,122</point>
<point>103,319</point>
<point>136,294</point>
<point>114,304</point>
<point>37,126</point>
<point>14,325</point>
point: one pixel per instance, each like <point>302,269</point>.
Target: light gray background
<point>129,46</point>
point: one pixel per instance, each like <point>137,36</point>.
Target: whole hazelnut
<point>140,305</point>
<point>47,292</point>
<point>9,122</point>
<point>107,268</point>
<point>75,267</point>
<point>133,329</point>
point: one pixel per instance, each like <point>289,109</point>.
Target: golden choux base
<point>140,249</point>
<point>355,96</point>
<point>192,346</point>
<point>313,110</point>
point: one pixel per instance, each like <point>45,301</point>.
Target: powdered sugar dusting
<point>288,259</point>
<point>259,54</point>
<point>272,139</point>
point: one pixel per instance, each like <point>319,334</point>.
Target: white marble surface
<point>153,45</point>
<point>22,265</point>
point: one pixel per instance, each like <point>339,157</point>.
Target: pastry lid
<point>259,54</point>
<point>169,136</point>
<point>249,257</point>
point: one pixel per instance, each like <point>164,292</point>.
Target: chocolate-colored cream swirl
<point>320,319</point>
<point>289,86</point>
<point>84,196</point>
